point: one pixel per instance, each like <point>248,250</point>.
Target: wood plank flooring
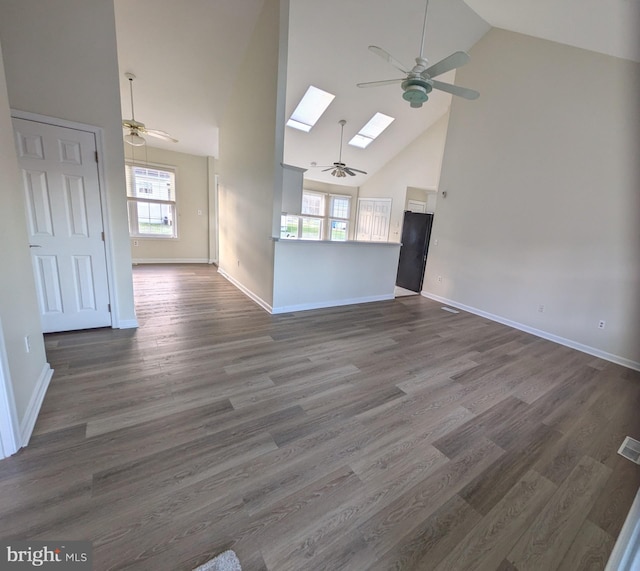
<point>381,436</point>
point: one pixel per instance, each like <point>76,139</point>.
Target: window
<point>289,227</point>
<point>312,105</point>
<point>323,217</point>
<point>313,205</point>
<point>151,201</point>
<point>339,211</point>
<point>378,123</point>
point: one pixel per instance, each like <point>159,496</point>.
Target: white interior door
<point>381,219</point>
<point>373,219</point>
<point>365,219</point>
<point>416,206</point>
<point>64,220</point>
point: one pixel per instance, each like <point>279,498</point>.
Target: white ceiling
<point>185,54</point>
<point>606,26</point>
<point>338,64</point>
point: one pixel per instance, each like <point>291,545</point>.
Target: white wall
<point>543,202</point>
<point>312,274</point>
<point>19,314</point>
<point>192,244</point>
<point>60,60</point>
<point>417,165</point>
<point>250,175</point>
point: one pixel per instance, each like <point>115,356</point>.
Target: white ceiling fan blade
<point>160,135</point>
<point>455,89</point>
<point>378,83</point>
<point>350,169</point>
<point>386,56</point>
<point>453,61</point>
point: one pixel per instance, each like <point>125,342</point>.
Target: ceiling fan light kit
<point>339,172</point>
<point>415,92</point>
<point>418,82</point>
<point>134,139</point>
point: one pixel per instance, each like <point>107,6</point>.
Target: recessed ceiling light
<point>310,109</point>
<point>378,123</point>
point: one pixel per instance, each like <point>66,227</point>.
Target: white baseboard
<point>626,552</point>
<point>331,303</point>
<point>127,324</point>
<point>33,409</point>
<point>137,261</point>
<point>538,332</point>
<point>9,426</point>
<point>303,306</point>
<point>261,302</point>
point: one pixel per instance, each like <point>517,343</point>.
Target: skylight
<point>310,109</point>
<point>378,123</point>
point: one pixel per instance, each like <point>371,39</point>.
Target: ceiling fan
<point>340,169</point>
<point>419,81</point>
<point>135,128</point>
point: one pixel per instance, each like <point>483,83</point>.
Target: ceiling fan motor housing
<point>416,91</point>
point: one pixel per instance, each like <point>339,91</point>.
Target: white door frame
<point>108,243</point>
<point>9,426</point>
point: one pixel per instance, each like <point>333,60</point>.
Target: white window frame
<point>318,218</point>
<point>133,201</point>
<point>331,218</point>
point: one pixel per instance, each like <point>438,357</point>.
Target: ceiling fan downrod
<point>424,31</point>
<point>131,77</point>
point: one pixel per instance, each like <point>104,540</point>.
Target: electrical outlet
<point>601,324</point>
<point>199,212</point>
<point>541,308</point>
<point>238,263</point>
<point>135,242</point>
<point>439,279</point>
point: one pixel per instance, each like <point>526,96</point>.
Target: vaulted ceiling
<point>185,55</point>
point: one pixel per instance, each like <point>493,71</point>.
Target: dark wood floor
<point>392,435</point>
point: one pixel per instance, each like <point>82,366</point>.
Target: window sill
<point>146,237</point>
<point>357,242</point>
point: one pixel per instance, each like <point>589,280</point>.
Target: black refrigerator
<point>416,231</point>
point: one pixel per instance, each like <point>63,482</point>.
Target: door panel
<point>64,220</point>
<point>416,231</point>
<point>85,283</point>
<point>38,209</point>
<point>48,284</point>
<point>365,217</point>
<point>76,206</point>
